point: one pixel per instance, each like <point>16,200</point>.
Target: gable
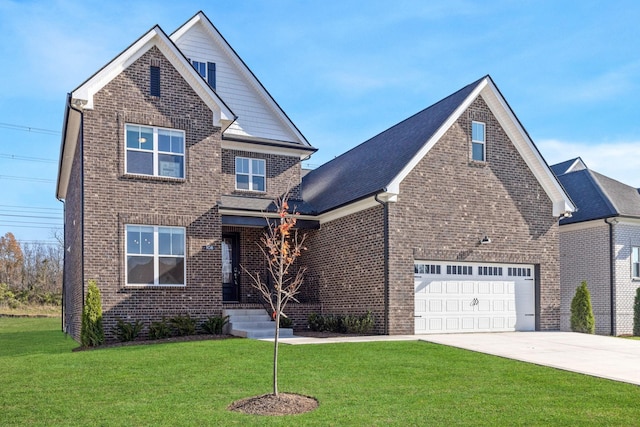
<point>258,116</point>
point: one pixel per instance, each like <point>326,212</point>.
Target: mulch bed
<point>187,338</point>
<point>270,404</point>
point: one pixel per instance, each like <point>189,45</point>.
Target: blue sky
<point>342,70</point>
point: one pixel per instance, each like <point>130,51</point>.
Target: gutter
<point>385,205</point>
<point>612,274</point>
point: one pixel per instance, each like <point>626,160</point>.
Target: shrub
<point>351,324</point>
<point>214,324</point>
<point>636,314</point>
<point>92,332</point>
<point>126,331</point>
<point>159,330</point>
<point>183,325</point>
<point>358,324</point>
<point>285,322</point>
<point>582,319</point>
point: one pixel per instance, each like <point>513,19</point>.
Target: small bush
<point>582,319</point>
<point>351,324</point>
<point>183,325</point>
<point>285,322</point>
<point>636,314</point>
<point>358,324</point>
<point>214,324</point>
<point>126,331</point>
<point>159,330</point>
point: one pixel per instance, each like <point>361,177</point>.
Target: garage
<point>473,297</point>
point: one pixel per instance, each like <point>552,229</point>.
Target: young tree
<point>11,259</point>
<point>636,314</point>
<point>582,319</point>
<point>281,245</point>
<point>92,332</point>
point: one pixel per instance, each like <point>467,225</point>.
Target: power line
<point>30,226</point>
<point>26,158</point>
<point>32,216</point>
<point>24,178</point>
<point>29,129</point>
<point>31,207</point>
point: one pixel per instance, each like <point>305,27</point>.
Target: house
<point>600,244</point>
<point>173,152</point>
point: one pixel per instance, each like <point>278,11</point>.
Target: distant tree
<point>636,314</point>
<point>582,319</point>
<point>92,332</point>
<point>11,260</point>
<point>281,246</point>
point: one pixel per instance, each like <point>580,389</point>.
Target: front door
<point>230,268</point>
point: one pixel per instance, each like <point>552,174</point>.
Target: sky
<point>343,71</point>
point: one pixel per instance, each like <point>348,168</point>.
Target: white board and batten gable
<point>259,118</point>
<point>562,204</point>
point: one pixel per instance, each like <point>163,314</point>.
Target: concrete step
<point>262,333</point>
<point>242,324</point>
<point>244,312</point>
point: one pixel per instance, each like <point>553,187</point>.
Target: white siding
<point>255,117</point>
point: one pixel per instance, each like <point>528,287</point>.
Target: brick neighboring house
<point>173,152</point>
<point>600,243</point>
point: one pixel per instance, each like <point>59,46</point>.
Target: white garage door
<point>473,297</point>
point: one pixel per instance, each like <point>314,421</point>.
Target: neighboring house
<point>173,152</point>
<point>600,244</point>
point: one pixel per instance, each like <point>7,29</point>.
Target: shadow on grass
<point>35,342</point>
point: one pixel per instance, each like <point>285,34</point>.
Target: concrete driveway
<point>600,356</point>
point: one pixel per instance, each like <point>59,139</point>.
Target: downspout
<point>612,274</point>
<point>385,205</point>
<point>64,245</point>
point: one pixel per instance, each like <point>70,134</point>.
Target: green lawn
<point>365,384</point>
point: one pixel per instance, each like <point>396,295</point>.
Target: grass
<point>31,310</point>
<point>362,384</point>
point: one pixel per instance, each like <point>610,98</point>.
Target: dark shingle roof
<point>597,196</point>
<point>369,167</point>
<point>259,204</point>
<point>561,168</point>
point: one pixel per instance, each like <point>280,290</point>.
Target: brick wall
<point>114,199</point>
<point>283,173</point>
<point>584,255</point>
<point>449,202</point>
<point>73,286</point>
<point>345,261</point>
<point>626,236</point>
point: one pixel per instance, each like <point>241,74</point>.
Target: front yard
<point>363,384</point>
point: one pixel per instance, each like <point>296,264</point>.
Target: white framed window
<point>635,262</point>
<point>154,151</point>
<point>155,256</point>
<point>207,70</point>
<point>250,174</point>
<point>478,146</point>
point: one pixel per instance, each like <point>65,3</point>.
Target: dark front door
<point>230,268</point>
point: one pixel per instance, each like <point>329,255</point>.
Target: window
<point>459,270</point>
<point>154,81</point>
<point>154,151</point>
<point>250,174</point>
<point>635,262</point>
<point>478,141</point>
<point>426,269</point>
<point>489,271</point>
<point>155,255</point>
<point>207,70</point>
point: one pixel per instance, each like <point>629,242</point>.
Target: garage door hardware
<point>474,302</point>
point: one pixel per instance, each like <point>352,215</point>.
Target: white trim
<point>265,149</point>
<point>261,214</point>
<point>348,210</point>
<point>500,109</point>
<point>156,256</point>
<point>250,173</point>
<point>223,116</point>
<point>578,165</point>
<point>483,142</point>
<point>242,67</point>
<point>582,225</point>
<point>155,152</point>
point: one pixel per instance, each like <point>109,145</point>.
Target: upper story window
<point>154,151</point>
<point>206,70</point>
<point>155,255</point>
<point>635,262</point>
<point>478,141</point>
<point>154,80</point>
<point>250,174</point>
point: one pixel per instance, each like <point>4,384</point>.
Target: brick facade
<point>448,202</point>
<point>584,255</point>
<point>626,234</point>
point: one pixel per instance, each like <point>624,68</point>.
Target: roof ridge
<point>607,196</point>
